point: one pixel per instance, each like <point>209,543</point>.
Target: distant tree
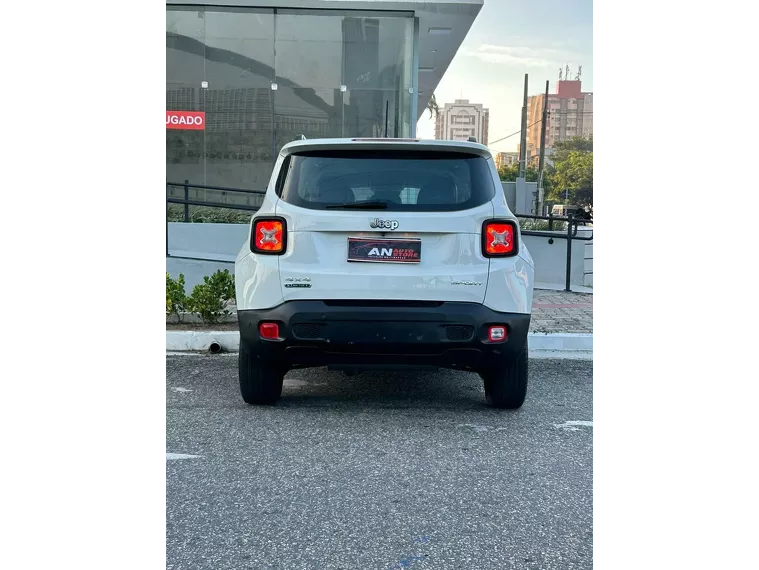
<point>548,172</point>
<point>572,179</point>
<point>509,173</point>
<point>579,144</point>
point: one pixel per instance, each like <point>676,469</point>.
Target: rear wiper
<point>365,205</point>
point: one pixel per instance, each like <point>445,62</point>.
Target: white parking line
<point>570,425</point>
<point>173,456</point>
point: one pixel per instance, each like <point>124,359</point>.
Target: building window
<point>317,51</point>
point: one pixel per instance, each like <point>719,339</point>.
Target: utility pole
<point>523,138</point>
<point>542,148</point>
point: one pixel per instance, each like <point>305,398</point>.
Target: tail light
<point>499,238</point>
<point>269,236</point>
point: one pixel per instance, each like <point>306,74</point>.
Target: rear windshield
<point>397,181</point>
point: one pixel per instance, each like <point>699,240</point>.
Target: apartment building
<point>460,120</point>
<point>570,114</point>
<point>506,159</point>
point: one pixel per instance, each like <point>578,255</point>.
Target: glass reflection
<point>240,52</point>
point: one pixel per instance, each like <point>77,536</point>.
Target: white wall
<point>551,259</point>
<point>220,242</point>
<point>588,264</point>
<point>520,195</point>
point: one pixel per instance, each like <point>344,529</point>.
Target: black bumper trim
<point>371,335</point>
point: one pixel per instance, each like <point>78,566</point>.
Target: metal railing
<point>187,203</point>
<point>571,235</point>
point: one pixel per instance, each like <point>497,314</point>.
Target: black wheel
<point>506,385</point>
<point>259,384</point>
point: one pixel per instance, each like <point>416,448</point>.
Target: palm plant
<point>432,106</point>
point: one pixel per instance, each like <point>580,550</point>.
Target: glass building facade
<point>262,77</point>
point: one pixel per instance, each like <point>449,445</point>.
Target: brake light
<point>269,236</point>
<point>499,238</point>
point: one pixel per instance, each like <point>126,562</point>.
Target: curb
<point>542,345</point>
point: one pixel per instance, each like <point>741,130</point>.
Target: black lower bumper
<point>377,334</point>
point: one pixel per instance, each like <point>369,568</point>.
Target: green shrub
<point>176,299</point>
<point>541,225</point>
<point>208,215</point>
<point>210,298</point>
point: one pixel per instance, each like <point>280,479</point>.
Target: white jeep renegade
<point>384,253</point>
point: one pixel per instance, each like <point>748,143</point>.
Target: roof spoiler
<point>388,139</point>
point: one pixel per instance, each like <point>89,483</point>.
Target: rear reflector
<point>497,334</point>
<point>269,330</point>
<point>269,236</point>
<point>499,238</point>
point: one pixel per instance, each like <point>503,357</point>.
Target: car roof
<point>307,145</point>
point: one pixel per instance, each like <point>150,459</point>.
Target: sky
<point>507,40</point>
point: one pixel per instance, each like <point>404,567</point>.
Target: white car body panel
<point>452,266</point>
<point>451,253</point>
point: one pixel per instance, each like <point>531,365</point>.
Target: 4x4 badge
<point>298,282</point>
<point>384,224</point>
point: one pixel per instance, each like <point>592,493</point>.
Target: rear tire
<point>259,384</point>
<point>506,385</point>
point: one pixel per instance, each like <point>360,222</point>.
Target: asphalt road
<point>378,471</point>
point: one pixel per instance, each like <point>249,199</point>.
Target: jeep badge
<point>384,224</point>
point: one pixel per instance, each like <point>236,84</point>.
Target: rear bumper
<point>367,334</point>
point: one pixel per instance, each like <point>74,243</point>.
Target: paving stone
<point>559,311</point>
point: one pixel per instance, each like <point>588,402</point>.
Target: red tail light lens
<point>499,238</point>
<point>269,236</point>
<point>269,330</point>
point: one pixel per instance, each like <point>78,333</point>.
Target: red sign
<point>188,120</point>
